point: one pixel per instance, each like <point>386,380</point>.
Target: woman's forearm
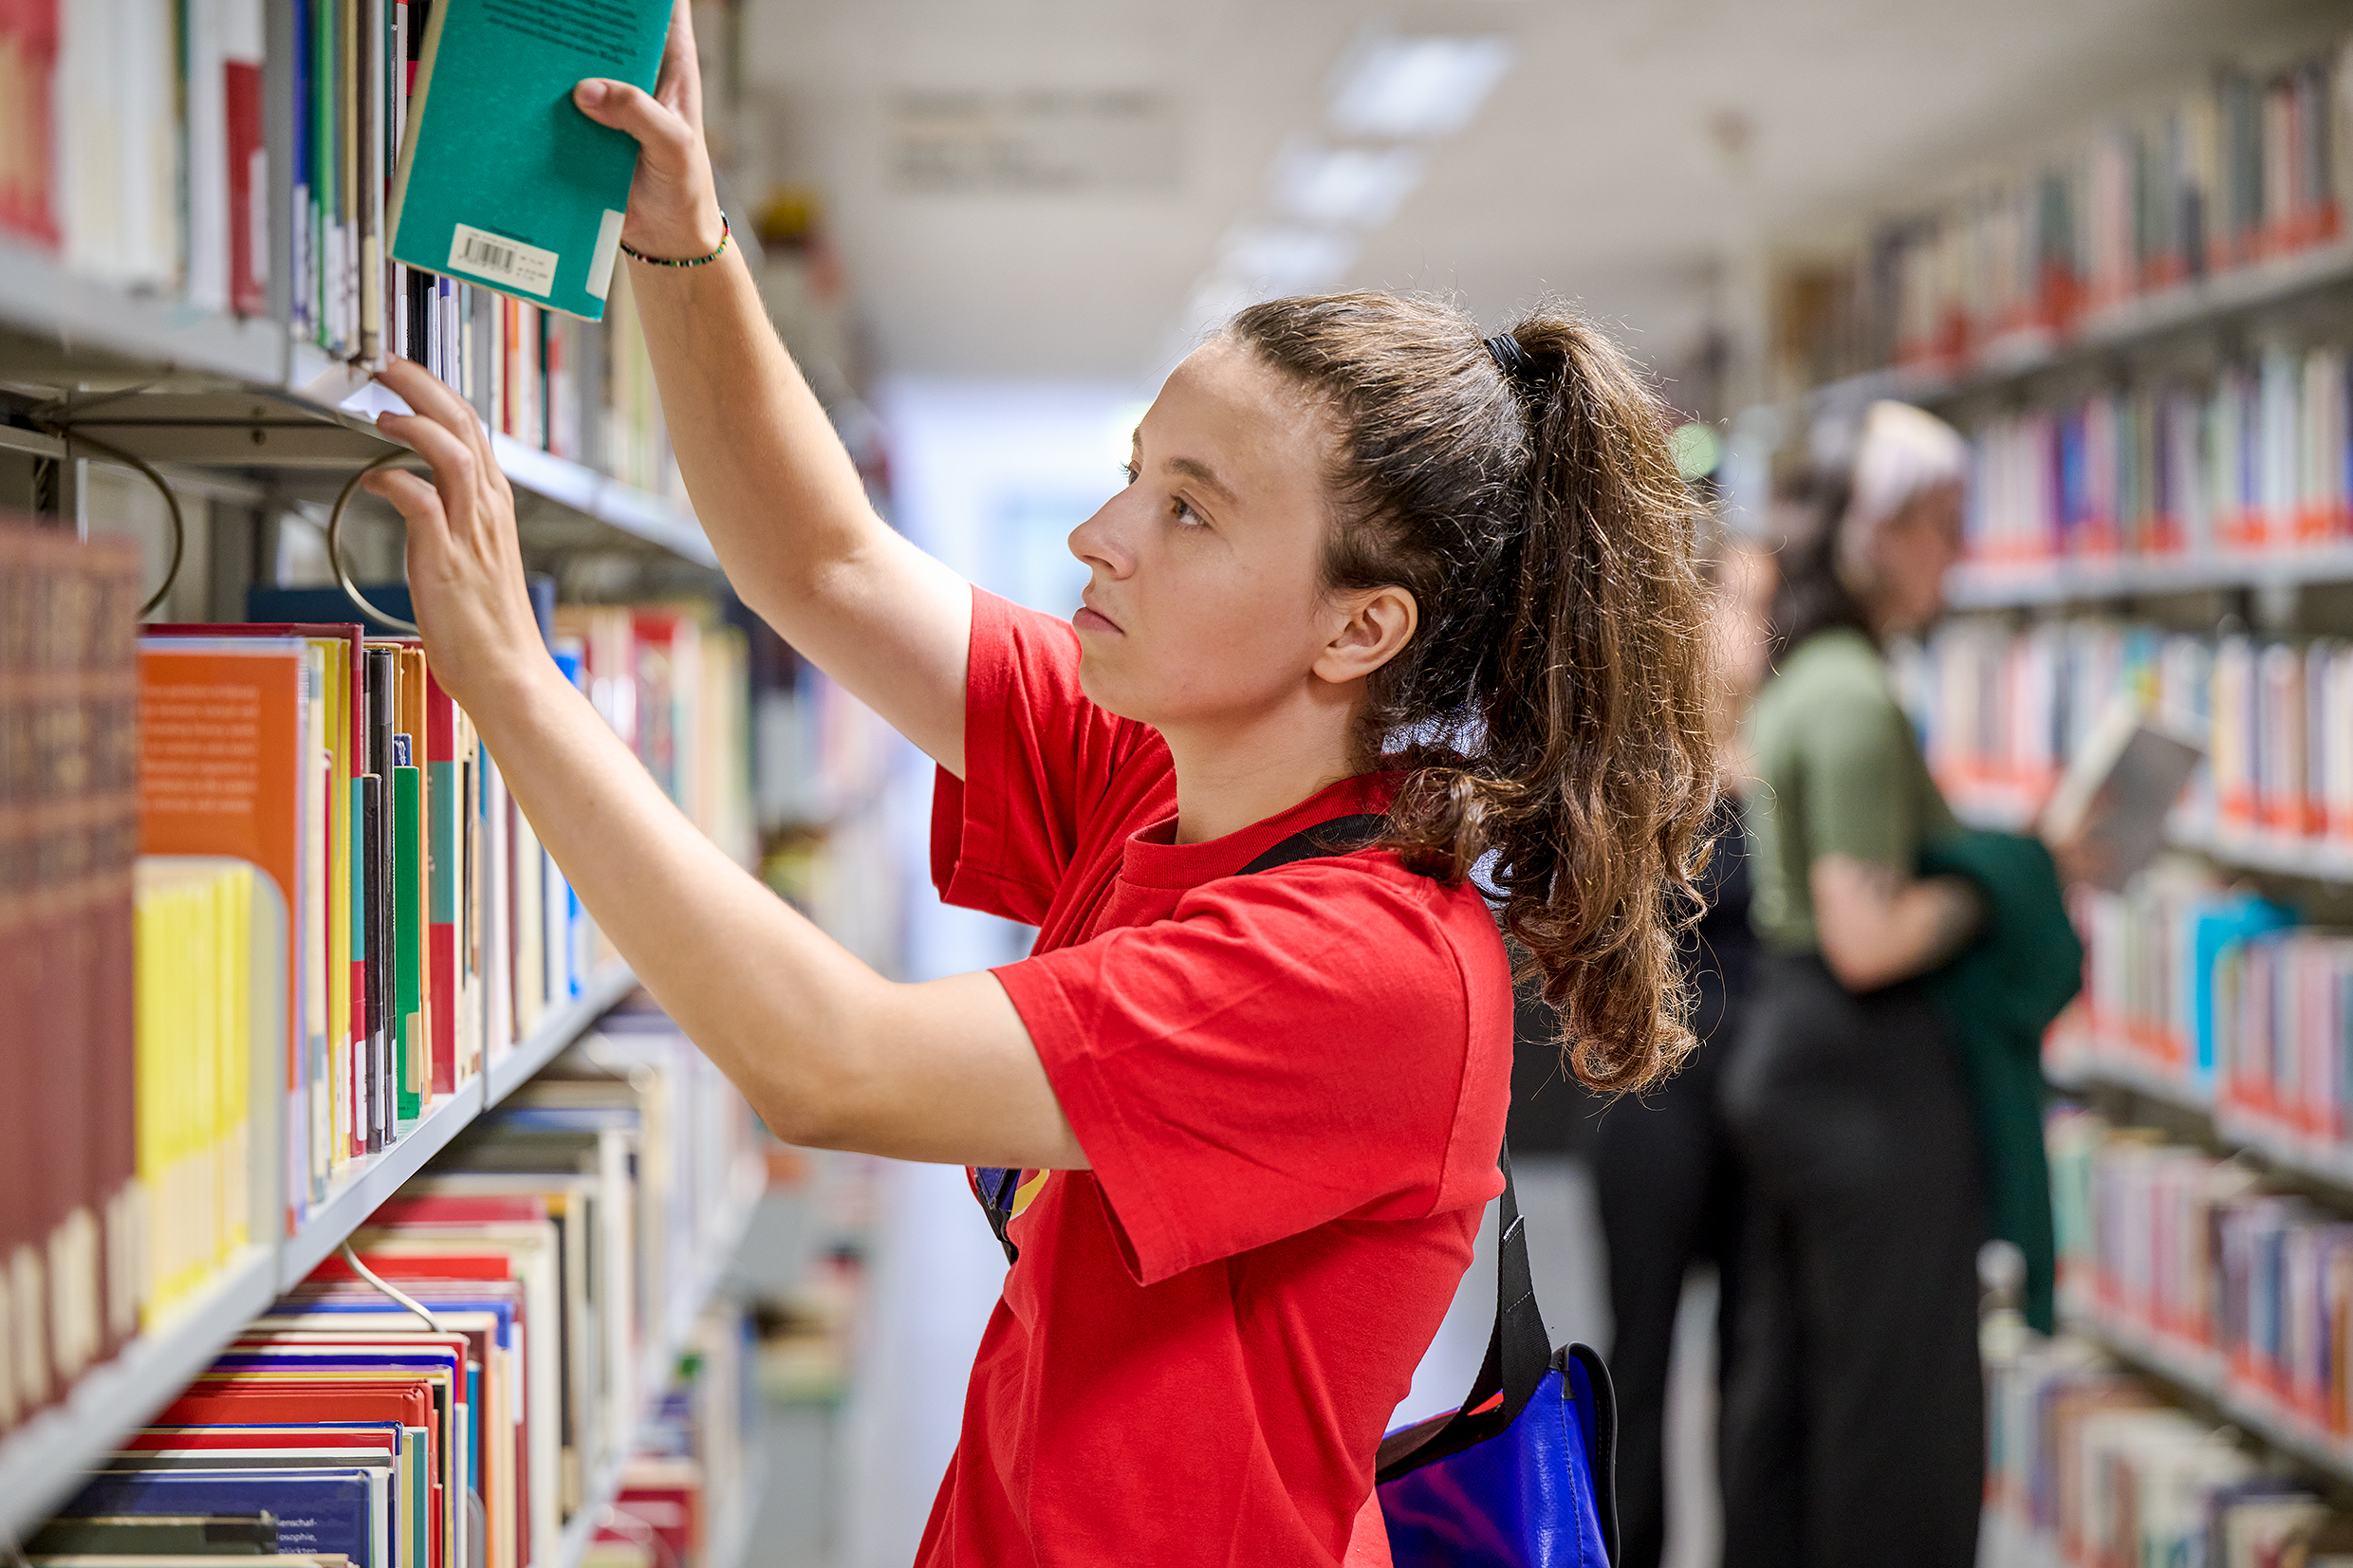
<point>1878,926</point>
<point>715,947</point>
<point>770,481</point>
<point>830,1053</point>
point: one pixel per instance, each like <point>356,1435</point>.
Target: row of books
<point>2215,992</point>
<point>72,1225</point>
<point>265,876</point>
<point>138,147</point>
<point>2001,709</point>
<point>2195,1256</point>
<point>580,390</point>
<point>2253,165</point>
<point>2088,1463</point>
<point>675,682</point>
<point>145,167</point>
<point>546,1248</point>
<point>2259,458</point>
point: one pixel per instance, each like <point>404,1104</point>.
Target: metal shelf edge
<point>2116,327</point>
<point>557,1029</point>
<point>347,1208</point>
<point>42,1461</point>
<point>607,500</point>
<point>2327,1166</point>
<point>41,295</point>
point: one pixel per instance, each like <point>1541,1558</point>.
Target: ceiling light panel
<point>1415,85</point>
<point>1275,261</point>
<point>1345,187</point>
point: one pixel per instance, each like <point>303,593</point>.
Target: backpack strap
<point>1341,836</point>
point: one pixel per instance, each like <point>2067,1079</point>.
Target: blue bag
<point>1524,1474</point>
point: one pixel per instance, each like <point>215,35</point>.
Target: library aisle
<point>358,1207</point>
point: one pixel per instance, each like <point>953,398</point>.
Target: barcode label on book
<point>511,263</point>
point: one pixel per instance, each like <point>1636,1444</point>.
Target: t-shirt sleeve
<point>1286,1049</point>
<point>1038,757</point>
<point>1858,799</point>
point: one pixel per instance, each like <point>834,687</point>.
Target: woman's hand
<point>674,203</point>
<point>465,564</point>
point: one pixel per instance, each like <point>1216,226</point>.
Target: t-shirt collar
<point>1150,860</point>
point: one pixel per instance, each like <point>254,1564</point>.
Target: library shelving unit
<point>2175,356</point>
<point>211,400</point>
<point>41,1460</point>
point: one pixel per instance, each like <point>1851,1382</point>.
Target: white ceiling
<point>1636,157</point>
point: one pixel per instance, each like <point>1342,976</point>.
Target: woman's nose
<point>1097,541</point>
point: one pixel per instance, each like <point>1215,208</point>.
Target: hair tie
<point>1506,351</point>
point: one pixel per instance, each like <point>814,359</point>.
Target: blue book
<point>325,1510</point>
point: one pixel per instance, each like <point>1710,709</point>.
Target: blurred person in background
<point>1665,1173</point>
<point>1853,1431</point>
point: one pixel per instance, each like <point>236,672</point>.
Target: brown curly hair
<point>1551,710</point>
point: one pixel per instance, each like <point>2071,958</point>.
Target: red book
<point>445,831</point>
<point>29,35</point>
<point>249,192</point>
<point>437,1209</point>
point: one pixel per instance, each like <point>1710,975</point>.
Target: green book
<point>414,1053</point>
<point>155,1535</point>
<point>502,182</point>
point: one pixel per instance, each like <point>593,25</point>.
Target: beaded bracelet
<point>690,261</point>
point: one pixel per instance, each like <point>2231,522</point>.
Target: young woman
<point>1854,1424</point>
<point>1238,1130</point>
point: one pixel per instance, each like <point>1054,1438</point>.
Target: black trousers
<point>1667,1182</point>
<point>1854,1425</point>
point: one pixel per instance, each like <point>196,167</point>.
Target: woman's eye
<point>1128,471</point>
<point>1182,510</point>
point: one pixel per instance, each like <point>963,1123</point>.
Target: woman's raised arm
<point>827,1051</point>
<point>770,481</point>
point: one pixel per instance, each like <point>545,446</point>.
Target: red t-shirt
<point>1291,1087</point>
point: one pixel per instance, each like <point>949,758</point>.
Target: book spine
<point>246,156</point>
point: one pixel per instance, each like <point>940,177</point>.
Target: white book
<point>2116,794</point>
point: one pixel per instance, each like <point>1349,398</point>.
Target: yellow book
<point>193,960</point>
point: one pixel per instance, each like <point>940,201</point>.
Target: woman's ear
<point>1379,622</point>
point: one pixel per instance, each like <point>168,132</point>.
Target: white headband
<point>1904,454</point>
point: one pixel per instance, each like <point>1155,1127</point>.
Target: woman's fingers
<point>413,497</point>
<point>458,466</point>
<point>434,398</point>
<point>665,140</point>
<point>681,76</point>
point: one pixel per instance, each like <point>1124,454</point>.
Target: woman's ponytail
<point>1551,711</point>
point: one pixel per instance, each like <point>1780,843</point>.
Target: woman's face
<point>1204,604</point>
<point>1915,549</point>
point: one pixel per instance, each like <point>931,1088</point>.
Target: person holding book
<point>1370,573</point>
<point>1853,1420</point>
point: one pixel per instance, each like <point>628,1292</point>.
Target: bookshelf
<point>2001,364</point>
<point>2195,1375</point>
<point>2273,854</point>
<point>42,1461</point>
<point>2323,1165</point>
<point>2044,583</point>
<point>112,329</point>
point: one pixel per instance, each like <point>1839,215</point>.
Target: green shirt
<point>1837,772</point>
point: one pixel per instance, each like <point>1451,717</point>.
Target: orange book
<point>227,768</point>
